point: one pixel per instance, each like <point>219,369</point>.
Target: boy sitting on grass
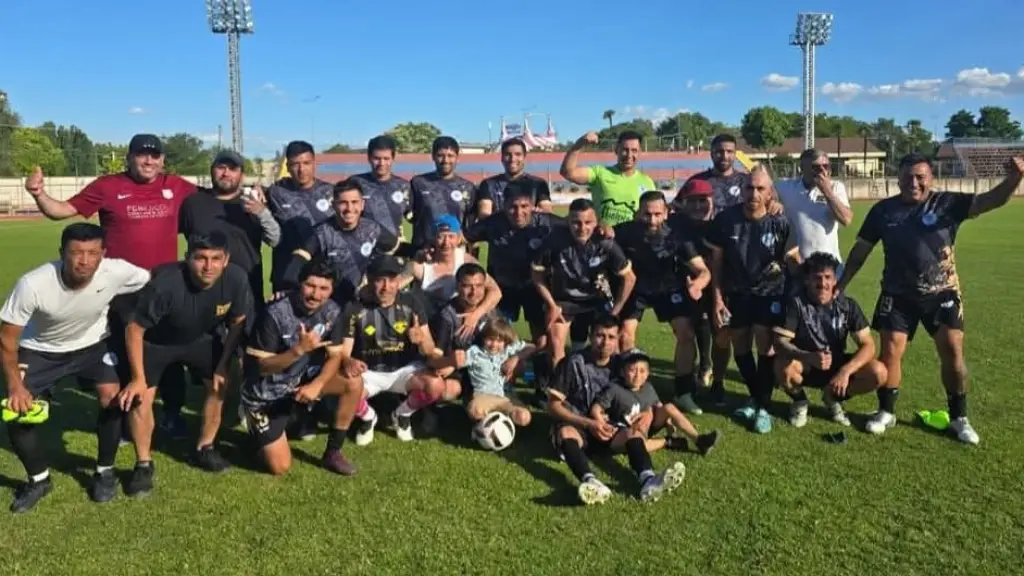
<point>632,403</point>
<point>492,366</point>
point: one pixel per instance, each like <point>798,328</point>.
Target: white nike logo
<point>123,196</point>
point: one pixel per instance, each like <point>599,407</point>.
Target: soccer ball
<point>495,432</point>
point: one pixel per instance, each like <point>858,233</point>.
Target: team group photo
<point>430,355</point>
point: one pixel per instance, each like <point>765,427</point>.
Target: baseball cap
<point>145,144</point>
<point>229,157</point>
<point>632,355</point>
<point>447,223</point>
<point>696,187</point>
<point>384,265</point>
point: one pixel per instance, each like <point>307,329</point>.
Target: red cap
<point>696,187</point>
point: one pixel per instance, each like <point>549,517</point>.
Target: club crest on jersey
<point>457,195</point>
<point>320,329</point>
<point>929,218</point>
<point>323,205</point>
<point>167,193</point>
<point>677,298</point>
<point>534,243</point>
<point>734,190</point>
<point>776,307</point>
<point>595,261</point>
<point>222,309</point>
<point>401,326</point>
<point>768,239</point>
<point>398,196</point>
<point>366,248</point>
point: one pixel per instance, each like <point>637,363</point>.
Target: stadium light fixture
<point>813,29</point>
<point>232,18</point>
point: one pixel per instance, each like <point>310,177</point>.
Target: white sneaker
<point>687,404</point>
<point>593,491</point>
<point>835,409</point>
<point>964,431</point>
<point>798,414</point>
<point>403,427</point>
<point>880,422</point>
<point>364,435</point>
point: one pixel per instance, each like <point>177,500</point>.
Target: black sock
<point>887,399</point>
<point>25,443</point>
<point>686,384</point>
<point>575,458</point>
<point>172,389</point>
<point>702,335</point>
<point>798,395</point>
<point>748,370</point>
<point>639,458</point>
<point>765,379</point>
<point>108,433</point>
<point>957,405</point>
<point>335,438</point>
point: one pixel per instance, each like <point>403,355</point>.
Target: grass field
<point>910,502</point>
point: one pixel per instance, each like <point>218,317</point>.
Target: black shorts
<point>200,357</point>
<point>269,422</point>
<point>41,371</point>
<point>896,313</point>
<point>747,310</point>
<point>814,378</point>
<point>590,442</point>
<point>667,307</point>
<point>526,299</point>
<point>573,310</point>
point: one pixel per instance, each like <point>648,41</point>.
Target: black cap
<point>633,355</point>
<point>229,157</point>
<point>145,144</point>
<point>384,265</point>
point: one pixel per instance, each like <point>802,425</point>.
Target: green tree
<point>110,157</point>
<point>414,137</point>
<point>79,151</point>
<point>31,148</point>
<point>9,120</point>
<point>918,139</point>
<point>184,154</point>
<point>689,128</point>
<point>608,136</point>
<point>765,128</point>
<point>338,149</point>
<point>608,115</point>
<point>826,126</point>
<point>961,125</point>
<point>796,124</point>
<point>995,122</point>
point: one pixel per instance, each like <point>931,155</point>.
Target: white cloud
<point>136,110</point>
<point>842,92</point>
<point>272,89</point>
<point>656,115</point>
<point>778,83</point>
<point>918,85</point>
<point>689,83</point>
<point>714,87</point>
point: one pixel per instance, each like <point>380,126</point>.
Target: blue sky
<point>343,70</point>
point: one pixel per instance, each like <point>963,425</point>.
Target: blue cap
<point>447,223</point>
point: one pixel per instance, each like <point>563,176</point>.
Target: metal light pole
<point>812,30</point>
<point>232,18</point>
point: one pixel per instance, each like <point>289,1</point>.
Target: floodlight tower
<point>812,30</point>
<point>232,18</point>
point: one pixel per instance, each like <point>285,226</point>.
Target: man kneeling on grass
<point>292,360</point>
<point>811,344</point>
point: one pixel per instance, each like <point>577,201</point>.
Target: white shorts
<point>376,382</point>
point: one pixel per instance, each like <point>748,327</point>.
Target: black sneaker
<point>717,394</point>
<point>705,442</point>
<point>104,486</point>
<point>677,443</point>
<point>29,494</point>
<point>209,459</point>
<point>141,482</point>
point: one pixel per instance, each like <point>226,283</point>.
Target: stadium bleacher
<point>980,158</point>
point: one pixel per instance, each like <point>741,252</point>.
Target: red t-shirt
<point>141,220</point>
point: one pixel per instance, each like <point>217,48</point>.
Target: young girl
<point>632,403</point>
<point>492,365</point>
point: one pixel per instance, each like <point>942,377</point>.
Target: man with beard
<point>615,189</point>
<point>749,257</point>
<point>53,326</point>
<point>177,321</point>
<point>347,242</point>
<point>920,284</point>
<point>810,344</point>
<point>299,203</point>
<point>491,197</point>
<point>293,360</point>
<point>440,192</point>
<point>572,272</point>
<point>387,197</point>
<point>670,279</point>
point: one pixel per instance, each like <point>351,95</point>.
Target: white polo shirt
<point>816,227</point>
<point>58,319</point>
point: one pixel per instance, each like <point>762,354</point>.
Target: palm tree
<point>608,115</point>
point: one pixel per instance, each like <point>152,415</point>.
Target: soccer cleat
<point>174,426</point>
<point>880,422</point>
<point>746,412</point>
<point>706,442</point>
<point>687,404</point>
<point>403,427</point>
<point>104,486</point>
<point>652,489</point>
<point>673,477</point>
<point>717,394</point>
<point>209,459</point>
<point>762,422</point>
<point>141,482</point>
<point>335,461</point>
<point>593,491</point>
<point>835,409</point>
<point>798,414</point>
<point>364,433</point>
<point>29,494</point>
<point>964,431</point>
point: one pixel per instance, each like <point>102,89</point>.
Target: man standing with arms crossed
<point>615,190</point>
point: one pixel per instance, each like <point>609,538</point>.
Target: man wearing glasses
<point>816,205</point>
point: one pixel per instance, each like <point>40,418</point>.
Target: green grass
<point>910,502</point>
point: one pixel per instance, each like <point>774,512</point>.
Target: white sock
<point>41,476</point>
<point>588,477</point>
<point>102,469</point>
